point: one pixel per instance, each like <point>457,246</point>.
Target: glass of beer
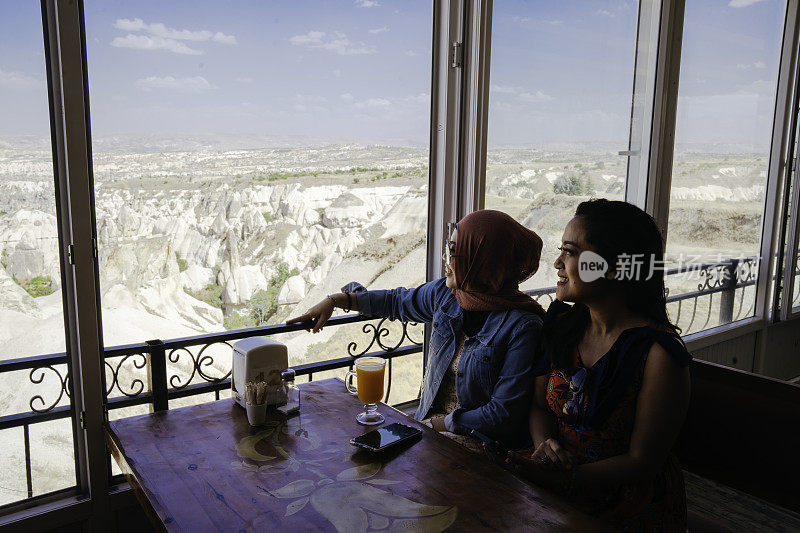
<point>369,387</point>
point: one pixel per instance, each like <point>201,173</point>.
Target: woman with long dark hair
<point>606,414</point>
<point>478,380</point>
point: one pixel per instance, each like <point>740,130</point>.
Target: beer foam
<point>370,366</point>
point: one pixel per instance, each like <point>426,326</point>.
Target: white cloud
<point>221,38</point>
<point>308,38</point>
<point>410,53</point>
<point>337,43</point>
<point>17,79</point>
<point>380,105</point>
<point>143,42</point>
<point>160,30</point>
<point>245,80</point>
<point>379,30</point>
<point>373,103</point>
<point>743,3</point>
<point>746,66</point>
<point>538,96</point>
<point>505,89</point>
<point>525,20</point>
<point>309,98</point>
<point>366,3</point>
<point>157,36</point>
<point>421,98</point>
<point>759,87</point>
<point>194,84</point>
<point>605,13</point>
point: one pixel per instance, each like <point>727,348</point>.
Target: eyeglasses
<point>449,250</point>
<point>449,245</point>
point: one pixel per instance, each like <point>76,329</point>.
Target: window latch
<point>70,254</point>
<point>455,52</point>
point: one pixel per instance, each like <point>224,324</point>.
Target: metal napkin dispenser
<point>259,359</point>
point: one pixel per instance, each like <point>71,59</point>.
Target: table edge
<point>131,476</point>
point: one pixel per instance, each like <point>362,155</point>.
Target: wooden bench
<point>742,431</point>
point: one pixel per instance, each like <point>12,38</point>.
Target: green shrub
<point>569,185</point>
<point>182,265</point>
<point>264,303</point>
<point>38,286</point>
<point>237,321</point>
<point>269,217</point>
<point>211,294</point>
<point>315,261</point>
<point>588,186</point>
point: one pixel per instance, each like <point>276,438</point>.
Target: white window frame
<point>791,232</point>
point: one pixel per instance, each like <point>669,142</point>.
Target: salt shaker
<point>292,392</point>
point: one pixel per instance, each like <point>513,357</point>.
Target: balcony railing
<point>154,372</point>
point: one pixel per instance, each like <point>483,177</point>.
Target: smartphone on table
<point>382,438</point>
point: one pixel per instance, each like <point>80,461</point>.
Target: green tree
<point>588,186</point>
<point>264,303</point>
<point>182,265</point>
<point>569,185</point>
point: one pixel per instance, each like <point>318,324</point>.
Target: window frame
<point>787,255</point>
<point>67,75</point>
<point>458,151</point>
<point>95,499</point>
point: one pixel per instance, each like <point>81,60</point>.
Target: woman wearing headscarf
<point>482,361</point>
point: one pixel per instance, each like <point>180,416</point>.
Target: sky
<point>561,71</point>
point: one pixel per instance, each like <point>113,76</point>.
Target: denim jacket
<point>496,372</point>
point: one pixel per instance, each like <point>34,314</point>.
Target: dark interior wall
<point>781,356</point>
<point>133,520</point>
<point>743,430</point>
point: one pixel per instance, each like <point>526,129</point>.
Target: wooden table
<point>203,468</point>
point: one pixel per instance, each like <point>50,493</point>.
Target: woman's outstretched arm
<point>409,305</point>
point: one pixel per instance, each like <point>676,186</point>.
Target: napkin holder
<point>259,359</point>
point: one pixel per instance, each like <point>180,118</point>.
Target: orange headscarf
<point>494,254</point>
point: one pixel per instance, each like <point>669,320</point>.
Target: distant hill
<point>148,143</point>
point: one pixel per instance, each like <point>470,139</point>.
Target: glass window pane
<point>729,69</point>
<point>796,283</point>
<point>250,158</point>
<point>31,307</point>
<point>559,112</point>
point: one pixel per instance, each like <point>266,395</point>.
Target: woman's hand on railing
<point>319,314</point>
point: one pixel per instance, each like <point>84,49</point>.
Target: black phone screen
<point>385,436</point>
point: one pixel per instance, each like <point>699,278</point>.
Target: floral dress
<point>595,409</point>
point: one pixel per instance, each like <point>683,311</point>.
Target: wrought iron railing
<point>155,372</point>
